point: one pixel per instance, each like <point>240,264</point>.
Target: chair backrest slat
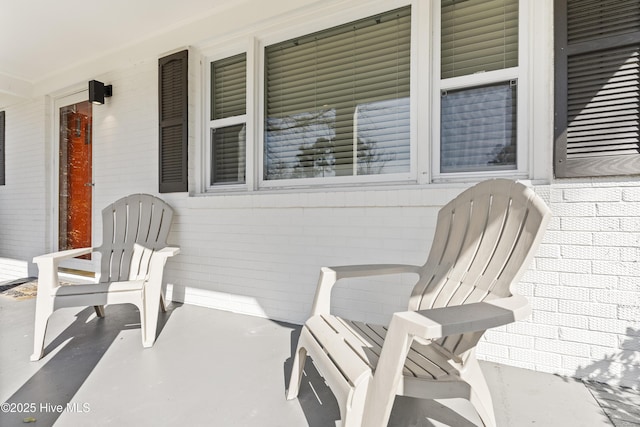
<point>147,216</point>
<point>133,222</point>
<point>509,241</point>
<point>138,218</point>
<point>489,232</point>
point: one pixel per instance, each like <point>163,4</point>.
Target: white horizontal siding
<point>273,254</point>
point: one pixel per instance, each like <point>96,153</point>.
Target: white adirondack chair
<point>484,241</point>
<point>133,254</point>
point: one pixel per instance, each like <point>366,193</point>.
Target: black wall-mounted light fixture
<point>98,91</point>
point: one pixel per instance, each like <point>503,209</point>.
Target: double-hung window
<point>228,122</point>
<point>337,102</point>
<point>478,85</point>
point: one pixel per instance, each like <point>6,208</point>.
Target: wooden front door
<point>76,177</point>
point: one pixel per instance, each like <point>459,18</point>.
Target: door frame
<point>59,101</point>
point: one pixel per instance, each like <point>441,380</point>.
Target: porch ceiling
<point>40,39</point>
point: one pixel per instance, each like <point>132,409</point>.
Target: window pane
<point>337,102</point>
<point>380,125</point>
<point>228,87</point>
<point>478,128</point>
<point>228,99</point>
<point>228,155</point>
<point>477,36</point>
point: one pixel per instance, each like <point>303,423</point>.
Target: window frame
<point>246,47</point>
<point>222,123</point>
<point>520,74</point>
<point>319,26</point>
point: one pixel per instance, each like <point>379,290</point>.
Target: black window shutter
<point>173,119</point>
<point>597,88</point>
<point>2,144</point>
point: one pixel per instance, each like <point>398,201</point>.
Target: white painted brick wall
<point>23,202</point>
<point>125,135</point>
<point>585,285</point>
<point>274,254</point>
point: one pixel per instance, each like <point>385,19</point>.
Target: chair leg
<point>152,300</point>
<point>479,395</point>
<point>353,411</point>
<point>44,309</point>
<point>351,408</point>
<point>38,339</point>
<point>297,368</point>
<point>381,392</point>
<point>149,312</point>
<point>99,310</point>
<point>143,324</point>
<point>163,302</point>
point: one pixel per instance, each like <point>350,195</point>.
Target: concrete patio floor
<point>215,368</point>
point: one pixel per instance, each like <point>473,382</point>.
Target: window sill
<point>407,194</point>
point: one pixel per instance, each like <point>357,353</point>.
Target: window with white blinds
<point>228,120</point>
<point>337,102</point>
<point>478,113</point>
<point>478,36</point>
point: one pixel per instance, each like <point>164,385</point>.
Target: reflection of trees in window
<point>319,159</point>
<point>503,155</point>
<point>370,160</point>
<point>316,160</point>
<point>300,145</point>
<point>382,128</point>
<point>327,90</point>
<point>277,170</point>
<point>327,143</point>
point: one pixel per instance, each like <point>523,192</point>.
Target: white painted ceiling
<point>41,38</point>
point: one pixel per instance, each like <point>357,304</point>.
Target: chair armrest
<point>407,326</point>
<point>59,256</point>
<point>168,251</point>
<point>330,275</point>
<point>157,262</point>
<point>48,268</point>
<point>364,270</point>
<point>442,322</point>
<point>159,257</point>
